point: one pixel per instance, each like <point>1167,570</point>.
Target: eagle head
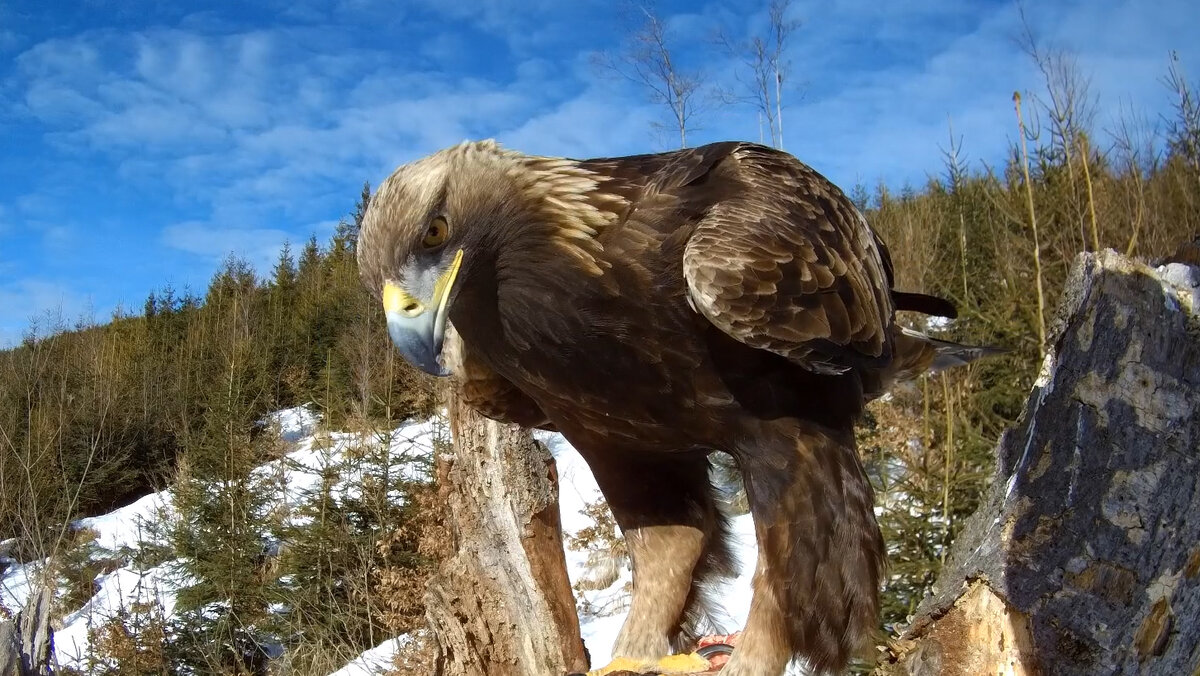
<point>421,231</point>
<point>453,219</point>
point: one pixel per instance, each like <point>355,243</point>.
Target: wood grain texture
<point>500,603</point>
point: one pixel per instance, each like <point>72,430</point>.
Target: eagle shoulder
<point>784,262</point>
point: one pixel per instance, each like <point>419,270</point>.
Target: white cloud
<point>891,122</point>
<point>251,128</point>
<point>206,112</point>
<point>39,306</point>
<point>872,111</point>
<point>595,123</point>
<point>259,246</point>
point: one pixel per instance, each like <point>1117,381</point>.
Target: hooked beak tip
<point>418,345</point>
<point>418,327</point>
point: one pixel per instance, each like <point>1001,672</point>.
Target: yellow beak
<point>417,326</point>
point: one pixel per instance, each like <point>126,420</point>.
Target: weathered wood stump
<point>10,649</point>
<point>1085,556</point>
<point>501,603</point>
<point>26,645</point>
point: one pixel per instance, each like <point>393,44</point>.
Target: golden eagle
<point>653,309</point>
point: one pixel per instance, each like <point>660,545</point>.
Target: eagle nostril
<point>411,308</point>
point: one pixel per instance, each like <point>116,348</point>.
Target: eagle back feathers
<point>787,264</point>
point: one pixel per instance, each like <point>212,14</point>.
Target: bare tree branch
<point>1071,107</point>
<point>1183,131</point>
<point>648,61</point>
<point>768,70</point>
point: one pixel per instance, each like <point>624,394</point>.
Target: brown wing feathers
<point>787,265</point>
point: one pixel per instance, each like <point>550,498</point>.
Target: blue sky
<point>140,142</point>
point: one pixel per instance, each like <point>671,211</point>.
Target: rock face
<point>501,602</point>
<point>1085,556</point>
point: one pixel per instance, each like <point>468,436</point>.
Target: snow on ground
<point>15,583</point>
<point>120,532</point>
<point>153,591</point>
<point>125,527</point>
<point>293,424</point>
<point>577,489</point>
<point>301,469</point>
<point>377,660</point>
<point>938,323</point>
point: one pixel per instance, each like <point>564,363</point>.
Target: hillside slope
<point>122,545</point>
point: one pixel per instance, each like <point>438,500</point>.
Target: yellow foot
<point>690,663</point>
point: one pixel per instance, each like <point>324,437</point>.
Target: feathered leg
<point>820,550</point>
<point>677,540</point>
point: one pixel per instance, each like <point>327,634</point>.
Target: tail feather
<point>925,304</point>
<point>917,354</point>
<point>948,355</point>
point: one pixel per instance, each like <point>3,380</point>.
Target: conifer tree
<point>352,542</point>
<point>223,527</point>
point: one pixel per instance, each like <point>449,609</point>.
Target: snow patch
<point>602,611</point>
<point>293,424</point>
<point>125,527</point>
<point>152,591</point>
<point>16,584</point>
<point>376,660</point>
<point>124,531</point>
<point>938,323</point>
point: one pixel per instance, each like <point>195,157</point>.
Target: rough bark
<point>1085,556</point>
<point>10,650</point>
<point>501,603</point>
<point>26,648</point>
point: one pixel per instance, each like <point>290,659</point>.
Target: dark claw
<point>710,651</point>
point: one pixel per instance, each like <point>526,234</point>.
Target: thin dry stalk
<point>962,245</point>
<point>1139,214</point>
<point>926,435</point>
<point>1131,183</point>
<point>947,463</point>
<point>1091,198</point>
<point>1037,255</point>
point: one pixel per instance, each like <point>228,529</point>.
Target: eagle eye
<point>437,232</point>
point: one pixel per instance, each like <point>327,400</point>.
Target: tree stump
<point>10,649</point>
<point>501,602</point>
<point>26,643</point>
<point>1085,556</point>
